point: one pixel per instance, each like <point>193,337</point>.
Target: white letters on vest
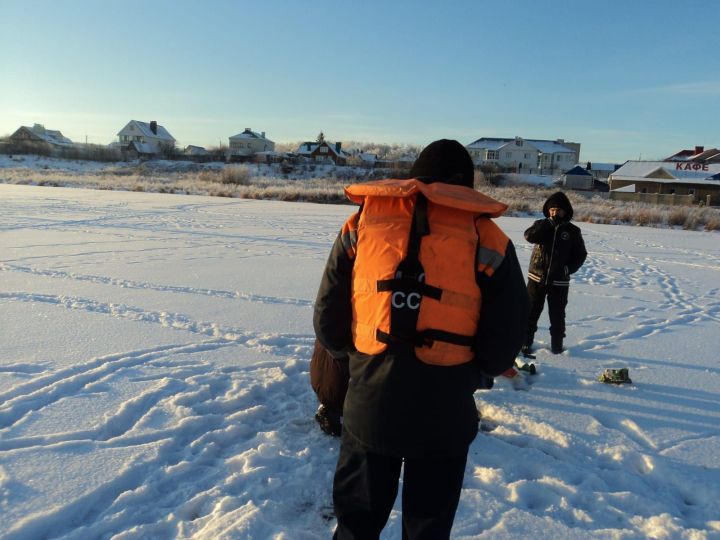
<point>401,300</point>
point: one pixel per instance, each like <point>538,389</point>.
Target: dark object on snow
<point>616,376</point>
<point>528,368</point>
<point>556,344</point>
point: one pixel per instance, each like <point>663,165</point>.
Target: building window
<point>493,154</point>
<point>508,155</point>
<point>691,191</point>
<point>527,156</point>
<point>324,150</point>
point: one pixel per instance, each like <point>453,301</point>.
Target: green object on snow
<point>615,376</point>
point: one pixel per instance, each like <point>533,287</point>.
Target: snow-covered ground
<point>154,380</point>
<point>31,161</point>
<point>11,165</point>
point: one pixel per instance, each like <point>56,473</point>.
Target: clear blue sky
<point>627,79</point>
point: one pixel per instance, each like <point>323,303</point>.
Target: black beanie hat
<point>444,161</point>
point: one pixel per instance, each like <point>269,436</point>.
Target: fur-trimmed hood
<point>558,200</point>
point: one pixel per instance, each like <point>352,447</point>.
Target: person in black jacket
<point>400,410</point>
<point>559,252</point>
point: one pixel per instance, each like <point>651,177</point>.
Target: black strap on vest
<point>420,227</point>
<point>425,338</point>
<point>410,282</point>
<point>407,284</point>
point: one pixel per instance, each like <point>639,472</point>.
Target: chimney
<point>699,149</point>
<point>263,134</point>
<point>337,147</point>
<point>248,130</point>
<point>153,127</point>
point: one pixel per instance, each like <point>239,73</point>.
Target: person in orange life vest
<point>424,293</point>
<point>558,253</point>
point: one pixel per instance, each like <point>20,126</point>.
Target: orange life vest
<point>461,240</point>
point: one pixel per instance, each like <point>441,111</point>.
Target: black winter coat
<point>559,247</point>
<point>398,405</point>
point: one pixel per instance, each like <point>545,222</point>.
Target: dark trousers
<point>366,485</point>
<point>557,298</point>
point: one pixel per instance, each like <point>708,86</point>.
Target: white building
<point>146,138</point>
<point>249,143</point>
<point>525,155</point>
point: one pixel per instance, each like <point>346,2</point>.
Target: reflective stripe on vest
<point>461,241</point>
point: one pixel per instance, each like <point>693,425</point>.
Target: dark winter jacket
<point>559,247</point>
<point>398,405</point>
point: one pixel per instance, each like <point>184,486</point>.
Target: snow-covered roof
<point>250,134</point>
<point>144,128</point>
<point>710,153</point>
<point>143,147</point>
<point>50,136</point>
<point>546,147</point>
<point>307,148</point>
<point>601,166</point>
<point>488,144</point>
<point>196,150</point>
<point>668,172</point>
<point>551,147</point>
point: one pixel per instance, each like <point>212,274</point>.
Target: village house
<point>192,150</point>
<point>145,139</point>
<point>699,155</point>
<point>525,155</point>
<point>37,135</point>
<point>249,143</point>
<point>667,182</point>
<point>581,179</point>
<point>323,152</point>
<point>601,171</point>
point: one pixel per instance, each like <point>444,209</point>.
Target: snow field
<point>154,380</point>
